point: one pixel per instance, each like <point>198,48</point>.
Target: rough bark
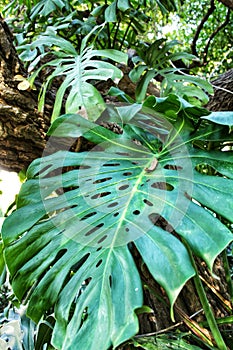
<point>188,303</point>
<point>222,100</point>
<point>22,128</point>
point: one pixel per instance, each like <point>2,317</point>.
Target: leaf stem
<point>228,274</point>
<point>206,306</point>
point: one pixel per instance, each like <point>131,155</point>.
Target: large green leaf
<point>69,244</point>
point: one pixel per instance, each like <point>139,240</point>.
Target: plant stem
<point>116,34</point>
<point>228,274</point>
<point>206,306</point>
<point>126,32</point>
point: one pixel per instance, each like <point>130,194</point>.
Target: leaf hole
<point>148,202</point>
<point>84,316</point>
<point>187,196</point>
<point>94,229</point>
<point>99,263</point>
<point>47,167</point>
<point>172,167</point>
<point>78,264</point>
<point>158,220</point>
<point>136,212</point>
<point>206,169</point>
<point>114,204</point>
<point>123,187</point>
<point>60,254</point>
<point>110,281</point>
<point>102,239</point>
<point>100,195</point>
<point>123,154</point>
<point>88,215</point>
<point>111,164</point>
<point>83,167</point>
<point>127,173</point>
<point>162,186</point>
<point>127,229</point>
<point>102,180</point>
<point>115,214</point>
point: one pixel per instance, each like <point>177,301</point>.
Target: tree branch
<point>215,32</point>
<point>200,27</point>
<point>227,3</point>
<point>22,128</point>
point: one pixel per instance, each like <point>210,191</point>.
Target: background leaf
<point>78,72</point>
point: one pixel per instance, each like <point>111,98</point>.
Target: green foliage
<point>75,248</point>
<point>21,333</point>
<point>164,342</point>
<point>214,44</point>
<point>126,20</point>
<point>128,25</point>
<point>156,60</point>
<point>45,7</point>
<point>76,71</point>
<point>160,189</point>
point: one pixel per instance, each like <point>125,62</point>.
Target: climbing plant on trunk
<point>83,212</point>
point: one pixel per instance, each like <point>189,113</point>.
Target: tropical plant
<point>157,60</point>
<point>153,195</point>
<point>76,69</point>
<point>85,213</point>
<point>205,31</point>
<point>126,20</point>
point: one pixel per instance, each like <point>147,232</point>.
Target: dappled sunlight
<point>9,187</point>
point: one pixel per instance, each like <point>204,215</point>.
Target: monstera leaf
<point>76,70</point>
<point>157,59</point>
<point>70,244</point>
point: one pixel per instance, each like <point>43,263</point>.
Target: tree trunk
<point>187,306</point>
<point>22,127</point>
<point>23,138</point>
<point>222,100</point>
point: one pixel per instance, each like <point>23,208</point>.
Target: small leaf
<point>86,96</point>
<point>142,86</point>
<point>98,10</point>
<point>144,309</point>
<point>222,118</point>
<point>123,5</point>
<point>122,96</point>
<point>110,12</point>
<point>24,85</point>
<point>44,333</point>
<point>115,55</point>
<point>136,73</point>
